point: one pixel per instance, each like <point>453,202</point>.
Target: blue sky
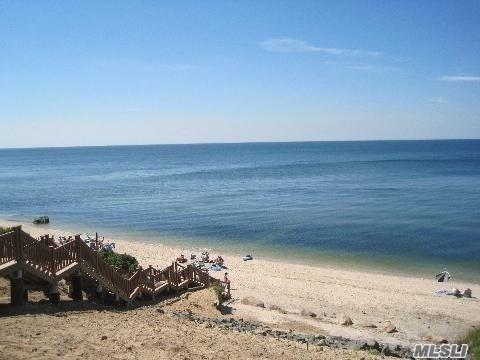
<point>143,72</point>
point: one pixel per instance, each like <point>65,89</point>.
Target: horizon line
<point>236,143</point>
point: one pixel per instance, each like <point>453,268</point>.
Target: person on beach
<point>219,260</point>
<point>226,282</point>
<point>205,257</point>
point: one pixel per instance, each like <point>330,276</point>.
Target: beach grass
<point>473,341</point>
<point>4,230</point>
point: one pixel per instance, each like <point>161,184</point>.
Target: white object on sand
<point>247,257</point>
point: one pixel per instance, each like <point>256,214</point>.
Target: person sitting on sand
<point>219,260</point>
<point>181,259</point>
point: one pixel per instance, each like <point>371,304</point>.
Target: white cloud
<point>471,78</point>
<point>437,100</point>
<point>294,45</point>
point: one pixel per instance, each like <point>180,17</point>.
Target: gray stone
<point>346,320</point>
<point>252,301</point>
<point>370,344</point>
<point>260,332</point>
<point>320,340</point>
<point>372,326</point>
<point>308,313</point>
<point>388,327</point>
<point>436,339</point>
<point>277,308</point>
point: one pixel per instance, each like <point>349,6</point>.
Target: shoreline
<point>368,298</point>
<point>324,260</point>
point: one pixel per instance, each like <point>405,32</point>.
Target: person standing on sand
<point>226,282</point>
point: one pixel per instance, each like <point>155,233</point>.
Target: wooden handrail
<point>20,246</point>
<point>7,247</point>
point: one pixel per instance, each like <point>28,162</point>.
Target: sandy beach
<point>369,299</point>
<point>147,332</point>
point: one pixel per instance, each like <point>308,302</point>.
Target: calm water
<point>410,206</point>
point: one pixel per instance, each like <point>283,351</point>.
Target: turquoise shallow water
<point>409,206</point>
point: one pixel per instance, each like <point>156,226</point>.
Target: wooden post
<point>96,240</point>
<point>169,271</point>
<point>17,289</point>
<point>152,278</point>
<point>53,293</point>
<point>19,256</point>
<point>77,293</point>
<point>176,275</point>
<point>99,292</point>
<point>78,247</point>
<point>52,260</point>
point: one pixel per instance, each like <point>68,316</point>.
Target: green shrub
<point>123,262</point>
<point>217,289</point>
<point>473,341</point>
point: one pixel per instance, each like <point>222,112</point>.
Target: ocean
<point>398,206</point>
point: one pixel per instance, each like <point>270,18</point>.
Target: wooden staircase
<point>20,253</point>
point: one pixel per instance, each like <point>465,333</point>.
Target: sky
<point>76,73</point>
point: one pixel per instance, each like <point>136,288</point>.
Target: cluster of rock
<point>253,301</point>
<point>41,220</point>
<point>308,313</point>
<point>345,320</point>
<point>260,329</point>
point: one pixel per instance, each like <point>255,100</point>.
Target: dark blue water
<point>412,206</point>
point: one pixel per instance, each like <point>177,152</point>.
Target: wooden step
<point>8,268</point>
<point>42,258</point>
<point>162,287</point>
<point>67,271</point>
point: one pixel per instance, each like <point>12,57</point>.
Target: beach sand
<point>147,332</point>
<point>369,299</point>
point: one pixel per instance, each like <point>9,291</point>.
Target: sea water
<point>409,206</point>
